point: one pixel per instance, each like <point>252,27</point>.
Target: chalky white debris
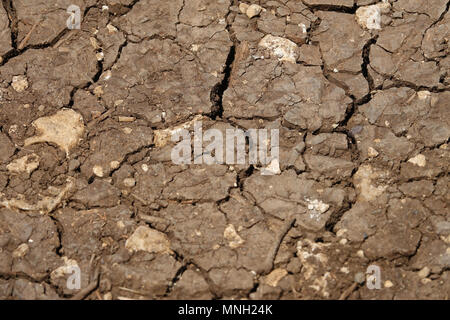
<point>275,276</point>
<point>232,236</point>
<point>26,164</point>
<point>45,205</point>
<point>149,240</point>
<point>253,10</point>
<point>363,180</point>
<point>21,251</point>
<point>64,270</point>
<point>316,208</point>
<point>369,17</point>
<point>419,160</point>
<point>283,49</point>
<point>19,83</point>
<point>272,168</point>
<point>65,129</point>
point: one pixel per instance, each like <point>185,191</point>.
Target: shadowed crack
<point>218,90</point>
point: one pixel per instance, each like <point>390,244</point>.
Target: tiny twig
<point>348,291</point>
<point>86,291</point>
<point>61,41</point>
<point>27,37</point>
<point>101,117</point>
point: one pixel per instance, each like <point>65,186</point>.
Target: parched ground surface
<point>86,177</point>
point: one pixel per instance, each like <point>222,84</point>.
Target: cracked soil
<point>359,90</point>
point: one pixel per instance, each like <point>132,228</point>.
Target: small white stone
<point>360,253</point>
<point>21,251</point>
<point>26,164</point>
<point>114,164</point>
<point>129,182</point>
<point>425,272</point>
<point>317,206</point>
<point>108,296</point>
<point>272,169</point>
<point>423,95</point>
<point>127,130</point>
<point>195,47</point>
<point>144,167</point>
<point>345,270</point>
<point>111,28</point>
<point>283,49</point>
<point>19,83</point>
<point>369,17</point>
<point>243,7</point>
<point>99,56</point>
<point>149,240</point>
<point>419,160</point>
<point>107,75</point>
<point>65,128</point>
<point>302,25</point>
<point>64,270</point>
<point>232,236</point>
<point>372,152</point>
<point>388,284</point>
<point>253,10</point>
<point>98,171</point>
<point>274,277</point>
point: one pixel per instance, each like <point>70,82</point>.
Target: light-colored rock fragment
<point>419,160</point>
<point>127,130</point>
<point>424,272</point>
<point>21,251</point>
<point>19,83</point>
<point>66,269</point>
<point>114,164</point>
<point>149,240</point>
<point>272,169</point>
<point>243,7</point>
<point>341,232</point>
<point>253,10</point>
<point>371,152</point>
<point>27,164</point>
<point>274,277</point>
<point>129,182</point>
<point>65,129</point>
<point>311,257</point>
<point>46,205</point>
<point>360,253</point>
<point>233,238</point>
<point>363,180</point>
<point>316,208</point>
<point>283,49</point>
<point>98,171</point>
<point>111,28</point>
<point>126,119</point>
<point>423,95</point>
<point>108,296</point>
<point>388,284</point>
<point>369,17</point>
